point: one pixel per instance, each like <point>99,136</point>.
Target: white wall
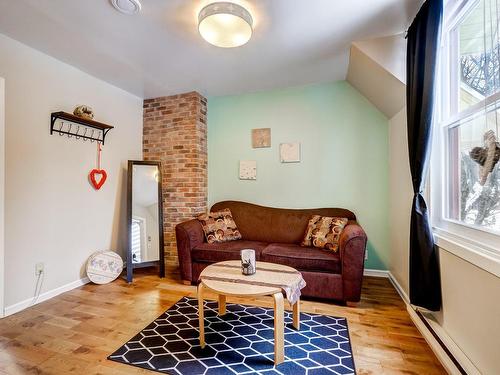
<point>401,195</point>
<point>377,66</point>
<point>52,214</point>
<point>469,319</point>
<point>471,311</point>
<point>372,79</point>
<point>389,52</point>
<point>2,185</point>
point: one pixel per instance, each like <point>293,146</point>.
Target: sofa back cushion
<point>268,224</point>
<point>324,232</point>
<point>219,226</point>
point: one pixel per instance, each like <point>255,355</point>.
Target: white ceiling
<point>159,52</point>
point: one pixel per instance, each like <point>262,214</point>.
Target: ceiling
<point>159,52</point>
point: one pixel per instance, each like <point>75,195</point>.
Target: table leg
<point>201,318</point>
<point>279,329</point>
<point>296,315</point>
<point>222,304</point>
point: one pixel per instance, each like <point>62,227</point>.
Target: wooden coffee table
<point>226,279</point>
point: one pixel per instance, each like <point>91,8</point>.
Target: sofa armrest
<point>352,255</point>
<point>188,234</point>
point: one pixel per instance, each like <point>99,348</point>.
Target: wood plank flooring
<point>75,332</point>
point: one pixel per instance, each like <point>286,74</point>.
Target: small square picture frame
<point>290,152</point>
<point>261,138</point>
<point>248,170</point>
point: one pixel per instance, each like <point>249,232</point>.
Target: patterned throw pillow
<point>219,226</point>
<point>324,232</point>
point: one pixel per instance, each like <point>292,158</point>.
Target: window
<point>136,240</point>
<point>468,176</point>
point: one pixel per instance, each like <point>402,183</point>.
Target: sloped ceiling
<point>377,70</point>
<point>159,52</point>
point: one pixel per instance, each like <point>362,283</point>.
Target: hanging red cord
<point>98,171</point>
<point>99,150</point>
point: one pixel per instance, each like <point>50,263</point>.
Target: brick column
<point>175,133</point>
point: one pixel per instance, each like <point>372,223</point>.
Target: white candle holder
<point>248,262</point>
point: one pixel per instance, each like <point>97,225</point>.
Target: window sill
<point>476,253</point>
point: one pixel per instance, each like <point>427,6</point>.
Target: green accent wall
<point>344,150</point>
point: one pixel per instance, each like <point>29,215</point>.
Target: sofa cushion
<point>302,258</point>
<point>218,252</point>
<point>219,226</point>
<point>324,232</point>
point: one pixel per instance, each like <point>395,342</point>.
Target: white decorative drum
<point>104,267</point>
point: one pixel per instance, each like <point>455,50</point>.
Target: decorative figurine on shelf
<point>487,157</point>
<point>94,173</point>
<point>84,111</point>
<point>248,262</point>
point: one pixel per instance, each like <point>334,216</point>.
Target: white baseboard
<point>399,288</point>
<point>443,357</point>
<point>435,346</point>
<point>454,349</point>
<point>9,310</point>
<point>375,273</point>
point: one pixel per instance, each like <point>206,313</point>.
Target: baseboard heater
<point>441,343</point>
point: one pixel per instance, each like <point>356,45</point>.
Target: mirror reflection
<point>144,226</point>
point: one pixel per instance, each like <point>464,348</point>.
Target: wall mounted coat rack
<point>73,126</point>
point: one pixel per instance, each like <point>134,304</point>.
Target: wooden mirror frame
<point>161,262</point>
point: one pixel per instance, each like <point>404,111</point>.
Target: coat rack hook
<point>78,127</point>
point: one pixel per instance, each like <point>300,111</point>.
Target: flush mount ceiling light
<point>225,24</point>
<point>127,6</point>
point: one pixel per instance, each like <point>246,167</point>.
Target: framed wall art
<point>290,152</point>
<point>248,170</point>
<point>261,138</point>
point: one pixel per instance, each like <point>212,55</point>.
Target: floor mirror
<point>144,217</point>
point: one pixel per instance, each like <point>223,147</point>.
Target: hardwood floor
<point>76,331</point>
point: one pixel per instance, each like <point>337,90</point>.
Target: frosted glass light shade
<point>225,24</point>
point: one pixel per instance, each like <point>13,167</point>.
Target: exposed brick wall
<point>175,133</point>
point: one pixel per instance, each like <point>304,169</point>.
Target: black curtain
<point>421,60</point>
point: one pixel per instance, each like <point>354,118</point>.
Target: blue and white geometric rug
<point>240,342</point>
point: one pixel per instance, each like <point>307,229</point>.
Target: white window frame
<point>480,246</point>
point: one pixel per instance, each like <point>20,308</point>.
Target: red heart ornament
<point>99,172</point>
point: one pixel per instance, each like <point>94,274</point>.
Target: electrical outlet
<point>366,254</point>
<point>39,268</point>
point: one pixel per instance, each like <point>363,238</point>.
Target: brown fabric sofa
<point>275,235</point>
